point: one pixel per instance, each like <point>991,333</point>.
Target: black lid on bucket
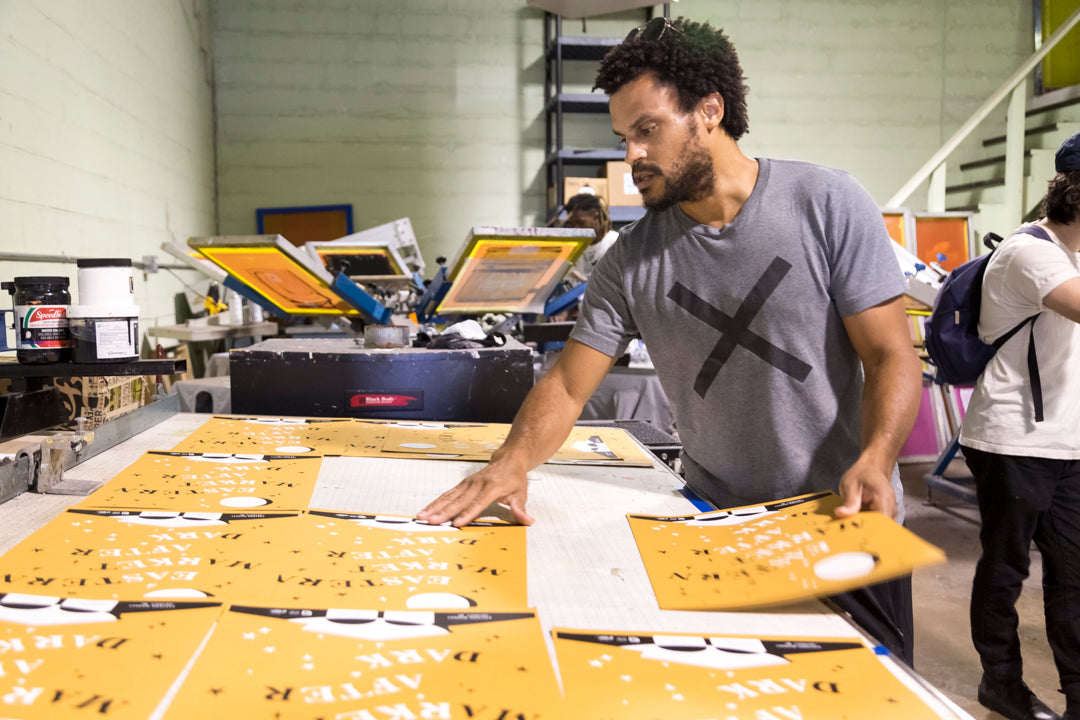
<point>42,280</point>
<point>103,262</point>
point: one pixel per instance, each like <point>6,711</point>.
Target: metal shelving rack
<point>557,105</point>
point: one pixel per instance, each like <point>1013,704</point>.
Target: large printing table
<point>584,569</point>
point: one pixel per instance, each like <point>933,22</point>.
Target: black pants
<point>884,611</point>
<point>1022,499</point>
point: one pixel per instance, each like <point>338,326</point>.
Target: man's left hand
<point>865,487</point>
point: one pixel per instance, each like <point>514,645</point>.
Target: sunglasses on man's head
<point>652,30</point>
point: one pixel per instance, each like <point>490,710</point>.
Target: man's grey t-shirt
<point>743,324</point>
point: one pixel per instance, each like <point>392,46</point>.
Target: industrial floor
<point>943,651</point>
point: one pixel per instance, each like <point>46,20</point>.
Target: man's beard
<point>690,179</point>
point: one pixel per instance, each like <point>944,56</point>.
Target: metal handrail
<point>979,115</point>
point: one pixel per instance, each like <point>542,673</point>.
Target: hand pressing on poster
<point>541,426</point>
<point>463,503</point>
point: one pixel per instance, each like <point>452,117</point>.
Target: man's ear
<point>712,109</point>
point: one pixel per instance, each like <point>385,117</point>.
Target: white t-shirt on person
<point>594,252</point>
<point>1000,417</point>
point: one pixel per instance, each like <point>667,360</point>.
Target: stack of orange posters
<point>78,658</point>
<point>628,676</point>
<point>371,665</point>
<point>786,551</point>
<point>420,440</point>
<point>211,482</point>
<point>390,561</point>
<point>270,435</point>
<point>584,446</point>
<point>151,554</point>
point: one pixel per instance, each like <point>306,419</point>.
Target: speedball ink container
<point>41,323</point>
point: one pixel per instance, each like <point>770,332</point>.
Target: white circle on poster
<point>418,445</point>
<point>845,566</point>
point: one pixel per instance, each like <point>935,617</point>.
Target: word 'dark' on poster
<point>269,435</point>
<point>150,555</point>
<point>628,676</point>
<point>390,561</point>
<point>371,665</point>
<point>786,551</point>
<point>76,658</point>
<point>211,482</point>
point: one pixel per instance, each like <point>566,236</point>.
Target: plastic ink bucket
<point>106,282</point>
<point>102,333</point>
<point>41,322</point>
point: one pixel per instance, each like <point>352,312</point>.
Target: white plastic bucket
<point>106,282</point>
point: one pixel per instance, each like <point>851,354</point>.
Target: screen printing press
<point>585,577</point>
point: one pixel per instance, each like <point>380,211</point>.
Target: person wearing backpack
<point>1027,471</point>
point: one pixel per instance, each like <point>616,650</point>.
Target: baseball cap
<point>1068,155</point>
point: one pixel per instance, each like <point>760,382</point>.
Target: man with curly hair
<point>770,300</point>
<point>1027,468</point>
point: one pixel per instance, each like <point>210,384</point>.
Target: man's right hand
<point>541,425</point>
<point>464,502</point>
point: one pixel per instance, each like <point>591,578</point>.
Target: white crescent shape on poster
<point>291,449</point>
<point>244,501</point>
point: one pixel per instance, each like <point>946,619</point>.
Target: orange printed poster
<point>150,554</point>
<point>391,561</point>
<point>786,551</point>
<point>584,446</point>
<point>632,676</point>
<point>271,435</point>
<point>366,664</point>
<point>369,439</point>
<point>223,482</point>
<point>77,658</point>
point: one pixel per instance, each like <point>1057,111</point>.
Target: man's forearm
<point>891,398</point>
<point>541,425</point>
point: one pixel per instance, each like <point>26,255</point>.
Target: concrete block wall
<point>432,109</point>
<point>106,136</point>
<point>873,88</point>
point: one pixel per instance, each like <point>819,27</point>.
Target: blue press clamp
<point>433,295</point>
<point>256,297</point>
<point>373,310</point>
<point>568,299</point>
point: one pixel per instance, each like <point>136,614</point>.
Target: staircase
<point>998,190</point>
<point>978,184</point>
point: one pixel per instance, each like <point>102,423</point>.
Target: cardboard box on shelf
<point>591,185</point>
<point>101,399</point>
<point>621,189</point>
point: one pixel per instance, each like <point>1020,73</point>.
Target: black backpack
<point>952,332</point>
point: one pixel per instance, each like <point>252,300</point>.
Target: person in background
<point>1027,472</point>
<point>770,300</point>
<point>589,211</point>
